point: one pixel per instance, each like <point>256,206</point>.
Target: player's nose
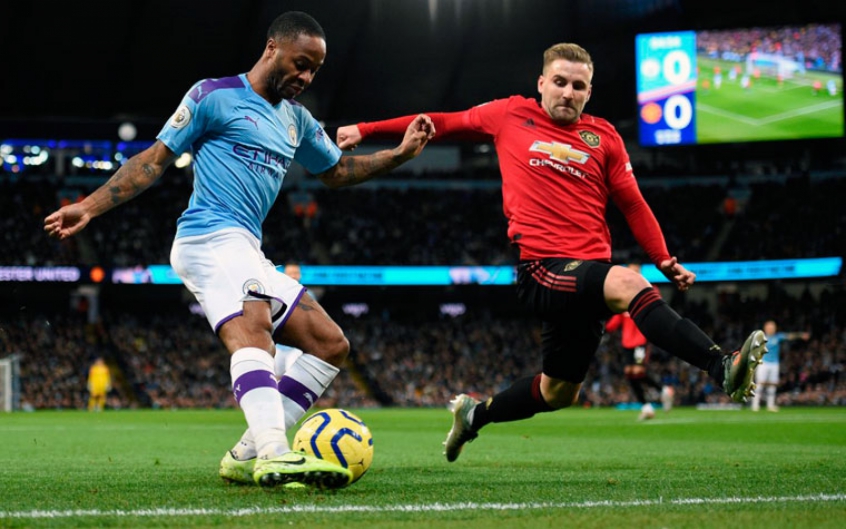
<point>306,77</point>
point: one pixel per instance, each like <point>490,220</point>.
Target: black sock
<point>651,382</point>
<point>637,388</point>
<point>678,336</point>
<point>521,401</point>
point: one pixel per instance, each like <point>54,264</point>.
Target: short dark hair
<point>292,24</point>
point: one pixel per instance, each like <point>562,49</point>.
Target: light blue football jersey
<point>774,347</point>
<point>242,147</point>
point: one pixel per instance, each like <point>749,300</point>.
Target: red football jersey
<point>556,179</point>
<point>631,335</point>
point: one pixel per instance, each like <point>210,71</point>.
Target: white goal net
<point>771,65</point>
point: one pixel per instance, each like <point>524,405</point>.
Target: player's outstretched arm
<point>136,175</point>
<point>352,170</point>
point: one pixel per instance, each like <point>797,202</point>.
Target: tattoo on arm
<point>139,173</point>
<point>130,180</point>
<point>352,170</point>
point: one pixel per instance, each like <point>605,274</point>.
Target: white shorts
<point>226,268</point>
<point>767,373</point>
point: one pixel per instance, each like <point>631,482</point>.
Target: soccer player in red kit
<point>559,169</point>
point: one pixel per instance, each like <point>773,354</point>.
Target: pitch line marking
<point>431,507</point>
<point>801,111</point>
<point>757,122</point>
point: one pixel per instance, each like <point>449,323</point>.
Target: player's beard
<point>275,87</point>
<point>565,115</point>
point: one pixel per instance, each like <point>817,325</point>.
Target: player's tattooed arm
<point>136,175</point>
<point>352,170</point>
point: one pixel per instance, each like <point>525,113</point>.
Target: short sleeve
<point>316,152</point>
<point>189,123</point>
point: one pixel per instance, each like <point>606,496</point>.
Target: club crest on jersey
<point>560,152</point>
<point>572,265</point>
<point>181,117</point>
<point>591,138</point>
<point>253,286</point>
<point>292,133</point>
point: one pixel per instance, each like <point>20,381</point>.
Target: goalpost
<point>10,383</point>
<point>775,66</point>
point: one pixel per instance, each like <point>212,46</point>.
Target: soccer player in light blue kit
<point>767,376</point>
<point>245,131</point>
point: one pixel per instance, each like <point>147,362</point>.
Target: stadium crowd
<point>816,46</point>
<point>172,361</point>
<point>436,227</point>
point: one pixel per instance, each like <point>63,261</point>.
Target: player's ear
<point>270,48</point>
<point>540,83</point>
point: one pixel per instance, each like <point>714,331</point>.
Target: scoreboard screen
<point>747,84</point>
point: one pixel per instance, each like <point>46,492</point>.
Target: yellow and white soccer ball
<point>339,436</point>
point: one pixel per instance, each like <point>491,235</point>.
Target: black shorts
<point>568,296</point>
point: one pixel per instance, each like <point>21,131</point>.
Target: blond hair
<point>568,51</point>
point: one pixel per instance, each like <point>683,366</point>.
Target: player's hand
<point>417,135</point>
<point>348,137</point>
<point>675,272</point>
<point>67,221</point>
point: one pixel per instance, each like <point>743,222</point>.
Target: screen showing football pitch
<point>740,85</point>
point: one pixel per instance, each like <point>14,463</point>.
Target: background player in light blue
<point>245,131</point>
<point>767,376</point>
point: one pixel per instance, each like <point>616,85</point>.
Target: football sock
<point>520,401</point>
<point>637,388</point>
<point>284,358</point>
<point>255,389</point>
<point>771,395</point>
<point>245,448</point>
<point>756,400</point>
<point>679,336</point>
<point>651,382</point>
<point>302,384</point>
<point>307,378</point>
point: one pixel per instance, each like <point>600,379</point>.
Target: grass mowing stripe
<point>599,468</point>
<point>434,507</point>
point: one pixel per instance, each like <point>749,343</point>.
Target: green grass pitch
<point>574,468</point>
<point>767,110</point>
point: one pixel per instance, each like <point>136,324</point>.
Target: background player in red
<point>636,353</point>
<point>559,169</point>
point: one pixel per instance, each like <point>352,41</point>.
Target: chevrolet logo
<point>562,152</point>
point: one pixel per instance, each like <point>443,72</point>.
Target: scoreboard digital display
<point>666,88</point>
<point>748,84</point>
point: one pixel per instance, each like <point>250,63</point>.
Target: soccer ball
<point>339,436</point>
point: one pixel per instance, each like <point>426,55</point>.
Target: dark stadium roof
<point>106,60</point>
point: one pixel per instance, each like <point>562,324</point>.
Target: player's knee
<point>634,371</point>
<point>335,348</point>
<point>259,332</point>
<point>621,286</point>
